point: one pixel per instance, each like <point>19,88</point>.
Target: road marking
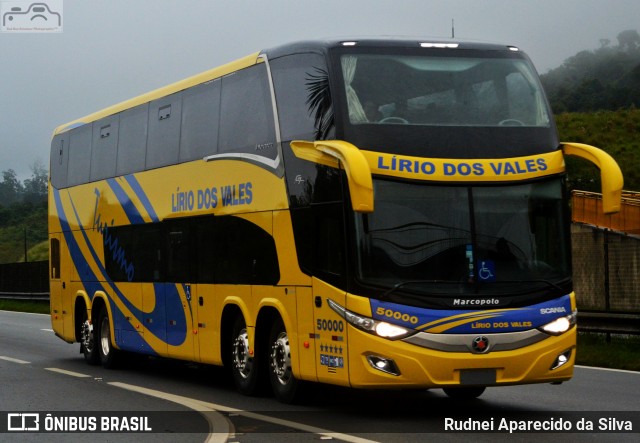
<point>219,429</point>
<point>47,330</point>
<point>26,313</point>
<point>14,360</point>
<point>626,371</point>
<point>65,372</point>
<point>202,406</point>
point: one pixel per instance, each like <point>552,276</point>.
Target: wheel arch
<point>229,313</point>
<point>100,301</point>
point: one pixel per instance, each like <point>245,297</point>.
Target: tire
<point>245,368</point>
<point>108,354</point>
<point>466,393</point>
<point>87,340</point>
<point>285,386</point>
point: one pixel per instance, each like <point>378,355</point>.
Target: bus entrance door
<point>56,282</point>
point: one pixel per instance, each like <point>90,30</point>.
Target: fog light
<point>561,360</point>
<point>383,364</point>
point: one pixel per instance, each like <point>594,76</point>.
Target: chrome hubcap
<point>104,336</point>
<point>86,331</point>
<point>280,358</point>
<point>242,362</point>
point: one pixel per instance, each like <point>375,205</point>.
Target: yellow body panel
<point>191,320</point>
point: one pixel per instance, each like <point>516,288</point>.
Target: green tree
<point>35,188</point>
<point>11,189</point>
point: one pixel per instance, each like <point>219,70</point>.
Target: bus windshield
<point>456,240</point>
<point>439,90</point>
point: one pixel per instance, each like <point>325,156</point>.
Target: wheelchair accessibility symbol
<point>487,271</point>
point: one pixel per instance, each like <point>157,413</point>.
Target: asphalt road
<point>40,374</point>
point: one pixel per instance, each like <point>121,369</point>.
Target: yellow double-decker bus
<point>365,213</point>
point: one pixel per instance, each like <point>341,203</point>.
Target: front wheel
<point>108,354</point>
<point>284,384</point>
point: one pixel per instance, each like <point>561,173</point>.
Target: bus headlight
<point>367,324</point>
<point>560,325</point>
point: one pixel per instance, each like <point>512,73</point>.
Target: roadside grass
<point>616,352</point>
<point>619,352</point>
<point>37,307</point>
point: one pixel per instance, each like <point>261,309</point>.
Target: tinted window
<point>54,263</point>
<point>246,120</point>
<point>291,77</point>
<point>244,253</point>
<point>198,250</point>
<point>132,139</point>
<point>320,238</point>
<point>105,148</point>
<point>164,131</point>
<point>59,159</point>
<point>200,114</point>
<point>180,253</point>
<point>119,253</point>
<point>79,155</point>
<point>148,252</point>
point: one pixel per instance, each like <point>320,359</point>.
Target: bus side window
<point>245,253</point>
<point>163,143</point>
<point>55,259</point>
<point>59,160</point>
<point>291,77</point>
<point>79,155</point>
<point>200,115</point>
<point>132,140</point>
<point>148,253</point>
<point>178,251</point>
<point>104,148</point>
<point>247,124</point>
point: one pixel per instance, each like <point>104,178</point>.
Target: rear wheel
<point>244,365</point>
<point>108,354</point>
<point>465,393</point>
<point>284,384</point>
<point>87,340</point>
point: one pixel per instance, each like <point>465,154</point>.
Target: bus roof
<point>321,46</point>
<point>405,42</point>
<point>163,91</point>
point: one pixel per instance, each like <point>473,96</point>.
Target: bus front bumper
<point>375,362</point>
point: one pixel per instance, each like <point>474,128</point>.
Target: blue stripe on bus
<point>471,320</point>
<point>135,185</point>
<point>170,302</point>
<point>90,284</point>
<point>130,210</point>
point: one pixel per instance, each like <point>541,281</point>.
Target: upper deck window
<point>432,90</point>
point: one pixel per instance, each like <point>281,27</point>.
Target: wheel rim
<point>242,362</point>
<point>87,335</point>
<point>281,358</point>
<point>104,336</point>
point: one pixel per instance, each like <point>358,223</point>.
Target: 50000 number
<point>330,325</point>
<point>397,315</point>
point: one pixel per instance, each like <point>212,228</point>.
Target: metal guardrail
<point>609,322</point>
<point>588,321</point>
<point>39,296</point>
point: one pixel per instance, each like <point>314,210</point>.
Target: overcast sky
<point>113,50</point>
